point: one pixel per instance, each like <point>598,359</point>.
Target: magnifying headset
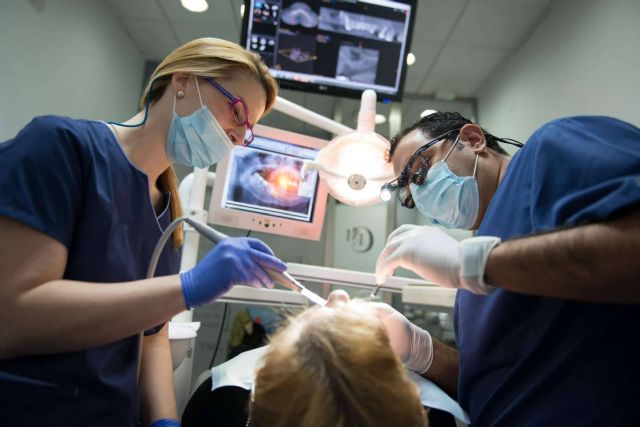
<point>401,183</point>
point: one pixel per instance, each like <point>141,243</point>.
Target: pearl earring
<point>180,94</point>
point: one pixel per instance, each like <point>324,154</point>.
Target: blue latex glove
<point>236,260</point>
<point>166,422</point>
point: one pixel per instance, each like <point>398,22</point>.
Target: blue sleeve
<point>41,177</point>
<point>585,169</point>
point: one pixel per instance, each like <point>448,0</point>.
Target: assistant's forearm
<point>64,315</point>
<point>444,369</point>
<point>593,263</point>
<point>156,379</point>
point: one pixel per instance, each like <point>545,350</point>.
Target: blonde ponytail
<point>168,182</point>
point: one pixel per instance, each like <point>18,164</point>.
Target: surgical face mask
<point>447,199</point>
<point>197,140</point>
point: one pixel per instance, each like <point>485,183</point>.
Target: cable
<point>215,350</point>
<point>203,229</point>
<point>146,110</point>
<point>510,141</point>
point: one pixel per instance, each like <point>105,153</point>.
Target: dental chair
<point>224,406</point>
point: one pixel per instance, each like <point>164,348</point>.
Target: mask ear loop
<point>475,166</point>
<point>175,96</point>
<point>451,149</point>
<point>198,90</point>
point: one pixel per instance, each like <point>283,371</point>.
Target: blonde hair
<point>209,57</point>
<point>334,367</point>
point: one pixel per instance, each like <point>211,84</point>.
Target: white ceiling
<point>457,43</point>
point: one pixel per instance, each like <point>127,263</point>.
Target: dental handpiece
<point>284,278</point>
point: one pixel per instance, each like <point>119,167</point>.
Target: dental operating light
<point>353,165</point>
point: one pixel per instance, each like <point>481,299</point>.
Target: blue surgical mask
<point>197,140</point>
<point>447,199</point>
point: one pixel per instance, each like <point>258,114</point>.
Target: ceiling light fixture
<point>411,59</point>
<point>196,6</point>
<point>380,119</point>
<point>425,113</point>
<point>242,10</point>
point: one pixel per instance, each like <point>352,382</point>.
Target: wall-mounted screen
<point>333,46</point>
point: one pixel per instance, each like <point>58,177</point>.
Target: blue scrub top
<point>535,361</point>
<point>71,180</point>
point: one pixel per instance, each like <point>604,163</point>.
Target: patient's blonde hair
<point>334,367</point>
<point>208,57</point>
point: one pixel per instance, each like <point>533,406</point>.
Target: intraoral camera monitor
<point>260,187</point>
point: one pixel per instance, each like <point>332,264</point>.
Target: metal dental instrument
<point>374,291</point>
<point>284,278</point>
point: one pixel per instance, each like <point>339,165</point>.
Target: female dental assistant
<point>82,204</point>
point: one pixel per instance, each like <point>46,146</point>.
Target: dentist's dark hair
<point>438,123</point>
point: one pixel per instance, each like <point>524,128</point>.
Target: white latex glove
<point>437,257</point>
<point>410,343</point>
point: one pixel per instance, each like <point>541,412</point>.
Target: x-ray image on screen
<point>269,182</point>
<point>357,64</point>
<point>296,53</point>
<point>308,45</point>
<point>300,13</point>
<point>356,24</point>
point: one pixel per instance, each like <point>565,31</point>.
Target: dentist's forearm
<point>444,369</point>
<point>593,263</point>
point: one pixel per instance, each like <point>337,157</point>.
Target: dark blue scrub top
<point>71,180</point>
<point>534,361</point>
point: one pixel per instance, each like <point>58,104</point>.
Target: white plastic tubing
<point>192,192</point>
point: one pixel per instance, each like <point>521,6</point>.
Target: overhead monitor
<point>260,188</point>
<point>338,47</point>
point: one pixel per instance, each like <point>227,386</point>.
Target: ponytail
<point>168,182</point>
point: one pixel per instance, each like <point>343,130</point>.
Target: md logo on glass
<point>361,239</point>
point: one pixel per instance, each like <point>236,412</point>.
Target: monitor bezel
<point>220,215</point>
<point>355,93</point>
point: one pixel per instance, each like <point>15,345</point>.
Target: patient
<point>329,366</point>
<point>334,366</point>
